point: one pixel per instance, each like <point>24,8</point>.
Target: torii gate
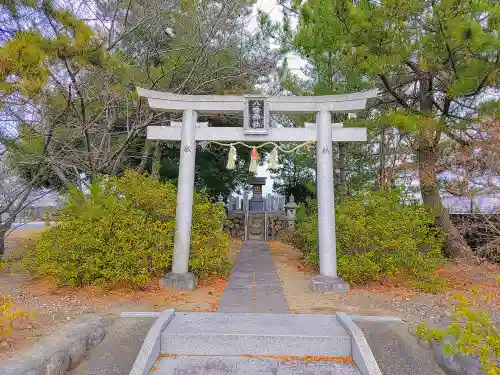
<point>256,109</point>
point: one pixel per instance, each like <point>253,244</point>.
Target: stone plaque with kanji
<point>256,115</point>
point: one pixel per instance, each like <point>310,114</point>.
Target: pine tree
<point>88,112</point>
<point>33,38</point>
<point>435,60</point>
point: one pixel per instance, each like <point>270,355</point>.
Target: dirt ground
<point>392,297</point>
<point>18,237</point>
<point>54,306</point>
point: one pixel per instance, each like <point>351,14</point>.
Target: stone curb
<point>376,319</point>
<point>457,364</point>
<point>354,318</point>
<point>361,352</point>
<point>150,350</point>
<point>61,351</point>
<point>452,364</point>
<point>140,314</point>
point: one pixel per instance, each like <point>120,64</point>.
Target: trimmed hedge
<point>122,231</point>
<point>377,235</point>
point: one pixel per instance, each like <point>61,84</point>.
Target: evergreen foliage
<point>122,231</point>
<point>471,332</point>
<point>8,315</point>
<point>377,235</point>
<point>435,61</point>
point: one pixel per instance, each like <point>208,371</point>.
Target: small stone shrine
<point>259,218</point>
<point>256,203</point>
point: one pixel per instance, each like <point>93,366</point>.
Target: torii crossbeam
<point>256,109</point>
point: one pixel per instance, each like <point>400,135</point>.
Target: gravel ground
<point>53,306</point>
<point>392,298</point>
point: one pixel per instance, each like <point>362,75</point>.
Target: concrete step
<point>236,334</point>
<point>233,365</point>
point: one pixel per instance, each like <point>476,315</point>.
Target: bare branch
<point>396,96</point>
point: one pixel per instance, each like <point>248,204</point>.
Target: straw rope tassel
<point>273,160</point>
<point>254,159</point>
<point>231,158</point>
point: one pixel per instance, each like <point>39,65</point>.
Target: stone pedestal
<point>181,281</point>
<point>256,205</point>
<point>329,284</point>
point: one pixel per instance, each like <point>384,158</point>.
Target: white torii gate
<point>256,109</point>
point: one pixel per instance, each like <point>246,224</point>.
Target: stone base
<point>181,281</point>
<point>329,284</point>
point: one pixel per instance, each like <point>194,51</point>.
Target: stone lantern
<point>220,199</point>
<point>291,211</point>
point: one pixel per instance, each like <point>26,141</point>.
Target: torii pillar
<point>256,109</point>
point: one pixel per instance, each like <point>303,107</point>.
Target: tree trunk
<point>382,179</point>
<point>3,232</point>
<point>146,151</point>
<point>155,168</point>
<point>60,174</point>
<point>117,165</point>
<point>342,177</point>
<point>455,244</point>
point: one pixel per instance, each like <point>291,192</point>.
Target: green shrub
<point>359,268</point>
<point>431,284</point>
<point>377,235</point>
<point>122,231</point>
<point>473,332</point>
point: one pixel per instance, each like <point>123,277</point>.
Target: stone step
<point>256,237</point>
<point>234,365</point>
<point>256,225</point>
<point>256,229</point>
<point>236,334</point>
<point>256,216</point>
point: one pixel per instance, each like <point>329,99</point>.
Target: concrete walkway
<point>116,354</point>
<point>397,351</point>
<point>254,285</point>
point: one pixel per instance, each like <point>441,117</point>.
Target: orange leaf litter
<point>168,355</point>
<point>280,357</point>
<point>307,358</point>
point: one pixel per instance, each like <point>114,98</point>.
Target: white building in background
<point>485,204</point>
<point>35,205</point>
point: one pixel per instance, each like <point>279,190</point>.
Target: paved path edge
<point>150,350</point>
<point>361,352</point>
<point>61,351</point>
